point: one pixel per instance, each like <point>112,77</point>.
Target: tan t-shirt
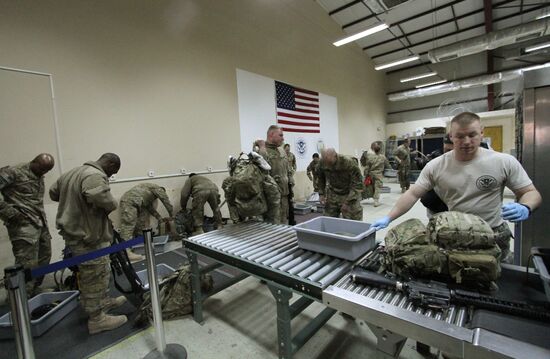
<point>474,186</point>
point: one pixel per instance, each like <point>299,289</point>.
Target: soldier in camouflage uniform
<point>135,207</point>
<point>85,201</point>
<point>291,157</point>
<point>312,169</point>
<point>374,164</point>
<point>202,190</point>
<point>403,157</point>
<point>340,186</point>
<point>22,210</point>
<point>281,172</point>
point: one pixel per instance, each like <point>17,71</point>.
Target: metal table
<point>270,253</point>
<point>393,319</point>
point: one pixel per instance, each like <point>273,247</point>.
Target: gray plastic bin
<point>68,303</point>
<point>540,254</point>
<point>342,238</point>
<point>302,208</point>
<point>163,270</point>
<point>159,243</point>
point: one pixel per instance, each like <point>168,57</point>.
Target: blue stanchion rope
<point>73,261</point>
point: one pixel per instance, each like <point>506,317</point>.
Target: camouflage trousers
<point>31,247</point>
<point>375,188</point>
<point>199,200</point>
<point>403,173</point>
<point>502,237</point>
<point>93,277</point>
<point>284,209</point>
<point>132,221</point>
<point>333,207</point>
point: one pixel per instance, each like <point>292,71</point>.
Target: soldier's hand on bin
<point>515,212</point>
<point>381,223</point>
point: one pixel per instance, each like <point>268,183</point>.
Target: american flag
<point>297,109</point>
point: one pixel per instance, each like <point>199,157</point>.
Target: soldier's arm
<point>356,184</point>
<point>185,194</point>
<point>54,191</point>
<point>153,212</point>
<point>273,198</point>
<point>321,181</point>
<point>363,159</point>
<point>97,192</point>
<point>163,197</point>
<point>7,211</point>
<point>309,170</point>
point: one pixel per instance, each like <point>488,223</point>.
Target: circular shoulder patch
<point>486,182</point>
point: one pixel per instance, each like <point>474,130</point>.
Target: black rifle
<point>438,295</point>
<point>291,219</point>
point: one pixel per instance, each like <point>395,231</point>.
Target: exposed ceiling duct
<point>492,40</point>
<point>477,81</point>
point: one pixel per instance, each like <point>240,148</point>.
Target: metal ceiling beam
<point>488,16</point>
<point>437,8</point>
<point>460,31</point>
<point>343,7</point>
<point>438,24</point>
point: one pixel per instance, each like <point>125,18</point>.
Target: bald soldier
<point>340,185</point>
<point>281,171</point>
<point>136,205</point>
<point>202,190</point>
<point>22,210</point>
<point>85,201</point>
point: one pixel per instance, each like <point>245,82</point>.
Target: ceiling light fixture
<point>537,47</point>
<point>542,16</point>
<point>360,35</point>
<point>536,67</point>
<point>431,83</point>
<point>418,77</point>
<point>396,63</point>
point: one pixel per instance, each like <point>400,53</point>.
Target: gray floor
<point>240,322</point>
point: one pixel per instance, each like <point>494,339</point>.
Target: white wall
<point>154,81</point>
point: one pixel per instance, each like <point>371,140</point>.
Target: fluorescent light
<point>395,63</point>
<point>537,47</point>
<point>361,34</point>
<point>542,16</point>
<point>431,83</point>
<point>536,67</point>
<point>418,77</point>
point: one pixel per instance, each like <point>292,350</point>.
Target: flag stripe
<point>307,98</point>
<point>279,118</point>
<point>299,111</point>
<point>285,122</point>
<point>300,130</point>
<point>298,103</point>
<point>297,116</point>
<point>307,91</point>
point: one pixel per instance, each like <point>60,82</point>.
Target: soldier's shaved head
<point>110,163</point>
<point>329,156</point>
<point>42,164</point>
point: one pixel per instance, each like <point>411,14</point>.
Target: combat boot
<point>376,203</point>
<point>103,322</point>
<point>112,303</point>
<point>134,257</point>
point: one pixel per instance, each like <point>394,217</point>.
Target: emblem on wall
<point>301,147</point>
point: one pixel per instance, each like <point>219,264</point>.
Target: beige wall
<point>155,81</point>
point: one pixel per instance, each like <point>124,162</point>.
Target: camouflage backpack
<point>175,296</point>
<point>455,245</point>
<point>246,187</point>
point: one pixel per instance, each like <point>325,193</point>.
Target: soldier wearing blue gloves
<point>471,179</point>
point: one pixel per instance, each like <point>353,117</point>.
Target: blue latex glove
<point>515,212</point>
<point>381,223</point>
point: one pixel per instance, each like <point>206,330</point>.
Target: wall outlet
<point>183,171</point>
<point>112,178</point>
<point>151,173</point>
<point>209,168</point>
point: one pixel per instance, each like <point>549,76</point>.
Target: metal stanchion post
<point>14,280</point>
<point>167,351</point>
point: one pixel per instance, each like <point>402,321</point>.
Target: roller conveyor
<point>271,251</point>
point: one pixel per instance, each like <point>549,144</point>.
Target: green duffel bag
<point>416,260</point>
<point>479,266</point>
<point>410,232</point>
<point>457,230</point>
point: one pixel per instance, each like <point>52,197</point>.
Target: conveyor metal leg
<point>388,342</point>
<point>195,287</point>
<point>284,318</point>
